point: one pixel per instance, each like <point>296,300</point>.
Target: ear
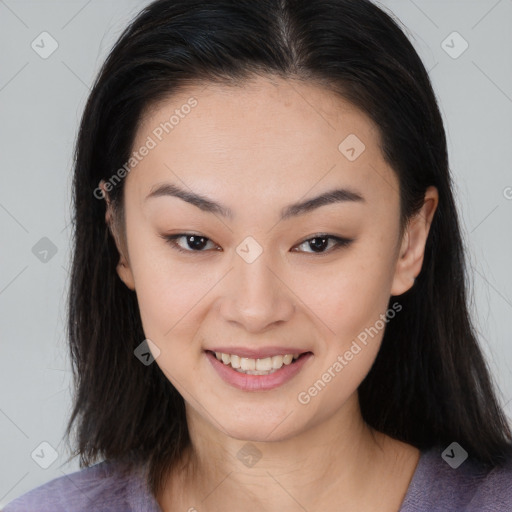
<point>123,267</point>
<point>412,250</point>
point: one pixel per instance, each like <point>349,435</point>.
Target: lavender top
<point>435,487</point>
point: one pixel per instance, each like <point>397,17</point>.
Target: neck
<point>340,461</point>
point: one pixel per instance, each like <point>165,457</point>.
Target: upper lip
<point>258,353</point>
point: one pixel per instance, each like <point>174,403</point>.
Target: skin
<point>256,149</point>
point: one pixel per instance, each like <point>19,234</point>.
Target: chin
<point>253,427</point>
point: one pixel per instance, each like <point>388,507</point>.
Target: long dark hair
<point>429,384</point>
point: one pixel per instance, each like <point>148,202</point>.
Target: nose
<point>255,296</point>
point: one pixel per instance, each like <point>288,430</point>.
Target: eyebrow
<point>338,195</point>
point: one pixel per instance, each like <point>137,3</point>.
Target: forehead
<point>276,138</point>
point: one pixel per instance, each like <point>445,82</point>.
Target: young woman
<point>268,302</point>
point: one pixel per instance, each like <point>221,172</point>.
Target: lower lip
<point>247,382</point>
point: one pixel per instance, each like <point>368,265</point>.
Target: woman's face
<point>266,280</point>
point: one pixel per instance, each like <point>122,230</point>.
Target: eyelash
<point>340,242</point>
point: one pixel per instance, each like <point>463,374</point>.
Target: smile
<point>251,366</point>
<point>250,374</point>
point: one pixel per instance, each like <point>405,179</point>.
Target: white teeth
<point>264,364</point>
<point>246,363</point>
<point>277,361</point>
<point>250,366</point>
<point>287,359</point>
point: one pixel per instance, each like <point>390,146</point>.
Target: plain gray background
<point>41,100</point>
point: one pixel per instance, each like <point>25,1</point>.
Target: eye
<point>191,242</point>
<point>320,242</point>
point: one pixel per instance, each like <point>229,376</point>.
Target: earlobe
<point>412,250</point>
<point>403,280</point>
<point>123,268</point>
<point>125,274</point>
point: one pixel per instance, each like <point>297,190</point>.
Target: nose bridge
<point>257,297</point>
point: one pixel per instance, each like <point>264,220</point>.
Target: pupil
<point>193,242</point>
<point>318,246</point>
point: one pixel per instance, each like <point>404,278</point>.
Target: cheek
<point>358,313</point>
<point>169,308</point>
<point>336,383</point>
<point>168,293</point>
<point>351,296</point>
<point>170,303</point>
<point>355,309</point>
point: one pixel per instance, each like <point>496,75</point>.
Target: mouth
<point>260,366</point>
<point>250,374</point>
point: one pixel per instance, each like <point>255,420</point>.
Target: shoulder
<point>107,486</point>
<point>495,490</point>
<point>471,486</point>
